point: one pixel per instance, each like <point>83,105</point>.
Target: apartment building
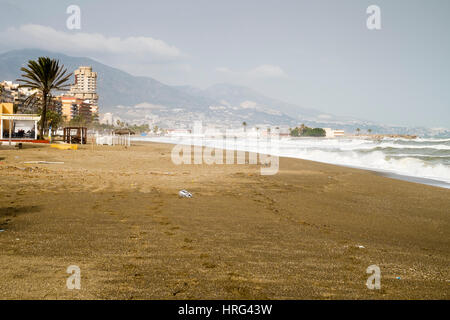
<point>11,92</point>
<point>85,87</point>
<point>330,133</point>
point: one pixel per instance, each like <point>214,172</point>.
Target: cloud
<point>265,71</point>
<point>43,37</point>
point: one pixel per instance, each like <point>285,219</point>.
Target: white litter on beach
<point>360,246</point>
<point>43,162</point>
<point>185,194</point>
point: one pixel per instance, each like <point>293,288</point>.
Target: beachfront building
<point>11,92</point>
<point>339,133</point>
<point>17,126</point>
<point>330,133</point>
<point>72,107</point>
<point>8,91</point>
<point>55,105</point>
<point>85,87</point>
<point>69,107</point>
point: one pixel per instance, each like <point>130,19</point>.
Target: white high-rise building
<point>85,87</point>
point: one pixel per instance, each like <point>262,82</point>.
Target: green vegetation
<point>44,75</point>
<point>54,120</point>
<point>304,131</point>
<point>139,129</point>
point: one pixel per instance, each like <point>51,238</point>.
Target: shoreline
<point>381,172</point>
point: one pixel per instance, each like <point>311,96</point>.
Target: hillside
<point>121,92</point>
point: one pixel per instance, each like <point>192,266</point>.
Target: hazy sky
<point>316,54</point>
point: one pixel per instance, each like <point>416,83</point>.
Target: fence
<point>113,139</point>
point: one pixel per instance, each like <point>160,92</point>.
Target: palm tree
<point>44,75</point>
<point>245,126</point>
<point>369,130</point>
<point>358,130</point>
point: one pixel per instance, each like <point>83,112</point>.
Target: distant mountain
<point>118,88</point>
<point>236,95</point>
<point>115,87</point>
<point>142,99</point>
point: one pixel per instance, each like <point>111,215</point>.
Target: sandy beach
<point>308,232</point>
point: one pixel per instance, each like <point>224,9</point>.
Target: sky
<point>315,53</point>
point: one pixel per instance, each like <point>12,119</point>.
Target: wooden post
<point>10,131</point>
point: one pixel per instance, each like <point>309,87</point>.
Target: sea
<point>421,160</point>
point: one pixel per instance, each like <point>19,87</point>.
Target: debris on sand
<point>44,162</point>
<point>185,194</point>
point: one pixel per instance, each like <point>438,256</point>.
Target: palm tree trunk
<point>44,115</point>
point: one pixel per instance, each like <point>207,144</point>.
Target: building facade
<point>330,133</point>
<point>85,88</point>
<point>11,92</point>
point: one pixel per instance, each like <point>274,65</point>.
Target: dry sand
<point>116,214</point>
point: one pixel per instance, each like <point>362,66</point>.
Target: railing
<point>113,139</point>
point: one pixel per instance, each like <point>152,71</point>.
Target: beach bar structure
<point>17,127</point>
<point>75,135</point>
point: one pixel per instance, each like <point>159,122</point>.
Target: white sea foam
<point>386,156</point>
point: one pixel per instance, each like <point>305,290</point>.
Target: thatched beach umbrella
<point>121,132</point>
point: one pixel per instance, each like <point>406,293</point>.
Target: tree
<point>313,132</point>
<point>44,75</point>
<point>294,132</point>
<point>369,130</point>
<point>358,130</point>
<point>244,124</point>
<point>31,104</point>
<point>304,131</point>
<point>54,119</point>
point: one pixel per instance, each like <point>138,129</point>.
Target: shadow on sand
<point>15,211</point>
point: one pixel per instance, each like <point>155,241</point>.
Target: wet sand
<point>116,214</point>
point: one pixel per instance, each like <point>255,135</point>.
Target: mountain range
<point>140,99</point>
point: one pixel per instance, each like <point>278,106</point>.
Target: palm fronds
<point>44,75</point>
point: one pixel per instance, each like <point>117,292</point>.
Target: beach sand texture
<point>308,232</point>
